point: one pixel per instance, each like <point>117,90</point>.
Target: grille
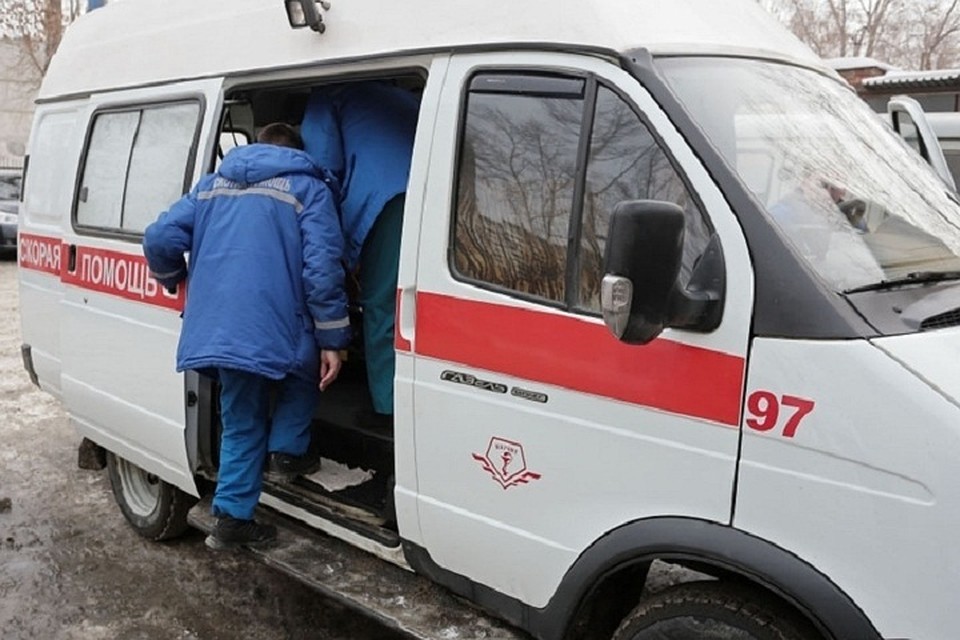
<point>947,319</point>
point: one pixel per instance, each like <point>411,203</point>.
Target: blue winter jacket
<point>363,132</point>
<point>265,285</point>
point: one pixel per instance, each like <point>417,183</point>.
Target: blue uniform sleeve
<point>167,240</point>
<point>320,130</point>
<point>323,276</point>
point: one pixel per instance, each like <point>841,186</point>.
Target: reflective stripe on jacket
<point>265,282</point>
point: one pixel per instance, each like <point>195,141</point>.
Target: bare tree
<point>933,42</point>
<point>923,34</point>
<point>37,26</point>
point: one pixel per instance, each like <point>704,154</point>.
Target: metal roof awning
<point>941,79</point>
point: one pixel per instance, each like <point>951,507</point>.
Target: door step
<point>395,597</point>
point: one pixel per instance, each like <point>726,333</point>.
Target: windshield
<point>848,194</point>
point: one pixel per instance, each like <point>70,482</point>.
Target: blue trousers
<point>379,264</point>
<point>249,432</point>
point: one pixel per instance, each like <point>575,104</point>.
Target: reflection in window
<point>515,190</point>
<point>626,163</point>
<point>136,165</point>
<point>841,188</point>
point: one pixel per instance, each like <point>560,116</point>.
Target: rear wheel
<point>713,611</point>
<point>156,509</point>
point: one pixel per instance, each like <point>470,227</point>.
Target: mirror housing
<point>641,294</point>
<point>306,13</point>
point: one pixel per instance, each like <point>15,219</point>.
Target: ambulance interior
<point>354,486</point>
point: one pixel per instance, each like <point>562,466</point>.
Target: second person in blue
<point>363,132</point>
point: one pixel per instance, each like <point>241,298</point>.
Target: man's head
<point>280,134</point>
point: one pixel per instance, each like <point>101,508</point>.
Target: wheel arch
<point>608,570</point>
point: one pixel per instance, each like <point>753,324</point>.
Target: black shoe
<point>230,533</point>
<point>376,421</point>
<point>283,467</point>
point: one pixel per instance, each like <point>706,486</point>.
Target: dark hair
<point>280,134</point>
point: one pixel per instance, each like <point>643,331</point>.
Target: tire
<point>157,510</point>
<point>713,611</point>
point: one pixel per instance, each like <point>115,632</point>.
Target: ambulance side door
<point>119,334</point>
<point>536,430</point>
<point>53,152</point>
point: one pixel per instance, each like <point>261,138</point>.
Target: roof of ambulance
<point>139,42</point>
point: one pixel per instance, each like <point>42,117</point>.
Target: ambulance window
<point>626,162</point>
<point>105,171</point>
<point>230,139</point>
<point>137,164</point>
<point>47,194</point>
<point>159,162</point>
<point>515,188</point>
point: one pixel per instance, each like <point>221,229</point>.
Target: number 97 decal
<point>765,408</point>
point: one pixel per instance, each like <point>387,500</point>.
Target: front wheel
<point>714,611</point>
<point>156,509</point>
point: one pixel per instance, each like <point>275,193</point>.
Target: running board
<point>395,597</point>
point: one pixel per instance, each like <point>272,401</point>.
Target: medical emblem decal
<point>506,462</point>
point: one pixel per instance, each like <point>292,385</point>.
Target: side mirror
<point>640,292</point>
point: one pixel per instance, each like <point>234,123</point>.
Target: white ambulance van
<point>670,295</point>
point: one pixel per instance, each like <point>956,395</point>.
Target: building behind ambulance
<point>669,294</point>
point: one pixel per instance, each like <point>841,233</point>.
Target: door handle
<point>406,318</point>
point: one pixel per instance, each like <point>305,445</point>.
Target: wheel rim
<point>141,490</point>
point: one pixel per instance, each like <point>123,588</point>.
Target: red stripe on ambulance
<point>580,355</point>
<point>39,253</point>
<point>112,272</point>
<point>120,274</point>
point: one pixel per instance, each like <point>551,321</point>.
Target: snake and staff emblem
<point>506,462</point>
<point>506,456</point>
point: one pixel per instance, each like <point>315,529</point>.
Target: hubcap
<point>141,490</point>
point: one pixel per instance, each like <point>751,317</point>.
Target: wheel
<point>713,611</point>
<point>157,510</point>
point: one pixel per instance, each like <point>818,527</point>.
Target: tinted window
<point>525,159</point>
<point>515,191</point>
<point>627,163</point>
<point>136,165</point>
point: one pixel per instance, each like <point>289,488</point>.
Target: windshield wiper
<point>916,277</point>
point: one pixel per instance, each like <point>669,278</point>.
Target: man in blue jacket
<point>266,310</point>
<point>363,132</point>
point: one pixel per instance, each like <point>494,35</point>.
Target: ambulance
<point>677,322</point>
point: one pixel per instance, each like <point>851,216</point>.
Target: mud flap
<point>397,598</point>
<point>91,456</point>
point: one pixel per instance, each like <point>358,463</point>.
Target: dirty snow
<point>72,569</point>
